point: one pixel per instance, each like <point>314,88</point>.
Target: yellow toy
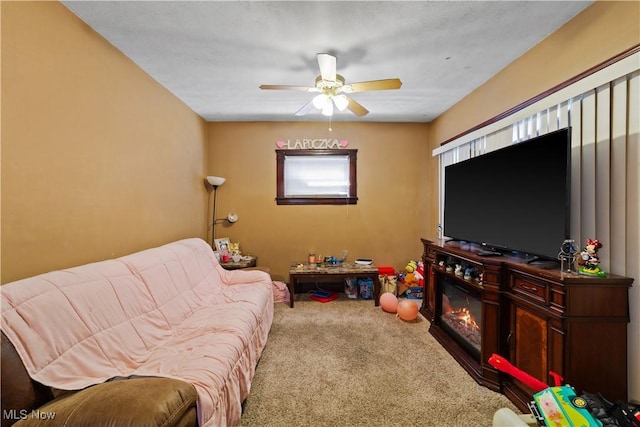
<point>411,267</point>
<point>415,274</point>
<point>234,248</point>
<point>411,280</point>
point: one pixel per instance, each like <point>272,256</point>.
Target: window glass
<point>316,177</point>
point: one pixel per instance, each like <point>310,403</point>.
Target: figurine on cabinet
<point>567,256</point>
<point>450,264</point>
<point>458,270</point>
<point>589,260</point>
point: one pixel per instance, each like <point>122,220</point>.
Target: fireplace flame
<point>464,317</point>
<point>460,319</point>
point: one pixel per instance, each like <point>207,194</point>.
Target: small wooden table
<point>340,271</point>
<point>245,262</point>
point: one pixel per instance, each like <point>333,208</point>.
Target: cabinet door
<point>529,342</point>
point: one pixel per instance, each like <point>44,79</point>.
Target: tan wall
<point>98,160</point>
<point>386,224</point>
<point>602,31</point>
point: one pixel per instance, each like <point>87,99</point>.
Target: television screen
<point>516,198</point>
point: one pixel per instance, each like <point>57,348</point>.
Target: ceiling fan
<point>332,89</point>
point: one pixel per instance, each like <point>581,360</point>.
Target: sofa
<point>164,336</point>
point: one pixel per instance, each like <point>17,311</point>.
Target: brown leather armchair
<point>139,401</point>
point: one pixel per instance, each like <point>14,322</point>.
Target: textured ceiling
<point>214,55</point>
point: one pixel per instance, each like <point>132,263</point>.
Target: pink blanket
<point>170,311</point>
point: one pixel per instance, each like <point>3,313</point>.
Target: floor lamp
<point>215,182</point>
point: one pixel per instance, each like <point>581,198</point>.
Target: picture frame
<point>222,244</point>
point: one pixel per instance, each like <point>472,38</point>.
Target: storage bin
<point>351,287</point>
<point>366,288</point>
<point>415,292</point>
<point>388,271</point>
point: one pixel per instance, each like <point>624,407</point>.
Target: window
<point>316,177</point>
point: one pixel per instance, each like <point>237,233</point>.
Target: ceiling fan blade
<point>356,108</point>
<point>373,85</point>
<point>305,108</point>
<point>327,65</point>
<point>288,87</point>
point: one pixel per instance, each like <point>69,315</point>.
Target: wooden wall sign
<point>312,144</point>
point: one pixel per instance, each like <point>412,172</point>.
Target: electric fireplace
<point>539,318</point>
<point>462,301</point>
<point>461,315</point>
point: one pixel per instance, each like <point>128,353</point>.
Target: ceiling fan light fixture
<point>331,88</point>
<point>341,102</point>
<point>319,101</point>
<point>327,110</point>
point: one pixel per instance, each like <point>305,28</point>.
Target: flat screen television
<point>515,199</point>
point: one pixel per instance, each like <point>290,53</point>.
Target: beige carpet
<point>348,363</point>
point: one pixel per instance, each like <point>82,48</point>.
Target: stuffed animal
<point>419,273</point>
<point>411,266</point>
<point>410,280</point>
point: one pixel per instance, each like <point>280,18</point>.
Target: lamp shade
<point>232,217</point>
<point>215,180</point>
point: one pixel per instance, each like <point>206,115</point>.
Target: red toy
<point>503,365</point>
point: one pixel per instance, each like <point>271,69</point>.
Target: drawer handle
<point>529,288</point>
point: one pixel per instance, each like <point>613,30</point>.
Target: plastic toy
<point>589,259</point>
<point>458,270</point>
<point>502,364</point>
<point>551,406</point>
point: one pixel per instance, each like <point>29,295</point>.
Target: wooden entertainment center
<point>538,318</point>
